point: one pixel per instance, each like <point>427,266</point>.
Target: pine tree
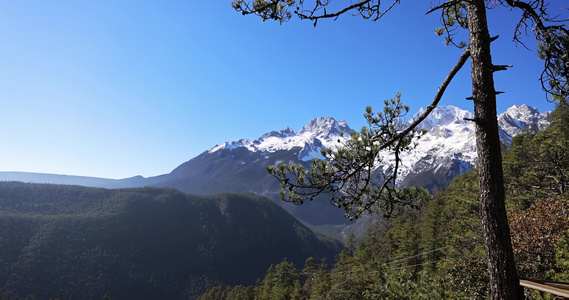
<point>346,175</point>
<point>537,164</point>
<point>279,282</point>
<point>561,260</point>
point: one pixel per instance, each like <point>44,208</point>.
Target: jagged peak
<point>281,134</point>
<point>324,125</point>
<point>443,115</point>
<point>524,110</point>
<point>516,119</point>
<point>231,145</point>
<point>288,131</point>
<point>317,133</point>
<point>326,129</point>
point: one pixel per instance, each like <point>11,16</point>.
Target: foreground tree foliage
<point>536,232</point>
<point>346,175</point>
<point>561,273</point>
<point>537,163</point>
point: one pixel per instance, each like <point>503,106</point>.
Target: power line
<point>420,254</point>
<point>416,265</point>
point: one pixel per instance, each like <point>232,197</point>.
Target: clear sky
<point>118,88</point>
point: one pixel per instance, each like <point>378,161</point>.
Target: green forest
<point>73,242</point>
<point>437,251</point>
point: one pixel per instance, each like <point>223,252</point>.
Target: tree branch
<point>346,174</point>
<point>461,61</point>
<point>333,15</point>
<point>279,10</point>
<point>554,45</point>
<point>444,5</point>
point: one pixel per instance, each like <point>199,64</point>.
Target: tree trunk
<point>504,283</point>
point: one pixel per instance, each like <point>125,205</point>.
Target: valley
<point>217,218</point>
<point>141,243</point>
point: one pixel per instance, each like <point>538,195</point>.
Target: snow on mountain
<point>444,115</point>
<point>323,128</point>
<point>447,149</point>
<point>448,145</point>
<point>517,119</point>
<point>318,133</point>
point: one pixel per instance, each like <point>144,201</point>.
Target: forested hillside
<point>437,252</point>
<point>73,242</point>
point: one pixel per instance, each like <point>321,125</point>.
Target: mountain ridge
<point>446,150</point>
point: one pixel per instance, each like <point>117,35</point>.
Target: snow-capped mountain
<point>518,119</point>
<point>449,146</point>
<point>318,133</point>
<point>444,116</point>
<point>446,150</point>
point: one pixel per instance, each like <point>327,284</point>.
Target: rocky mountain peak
<point>324,126</point>
<point>518,119</point>
<point>444,116</point>
<point>521,112</point>
<point>317,133</point>
<point>287,132</point>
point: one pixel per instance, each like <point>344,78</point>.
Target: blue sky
<point>122,88</point>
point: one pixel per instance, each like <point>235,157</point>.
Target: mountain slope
<point>518,119</point>
<point>446,150</point>
<point>147,243</point>
<point>449,147</point>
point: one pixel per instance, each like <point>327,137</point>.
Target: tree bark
<point>504,283</point>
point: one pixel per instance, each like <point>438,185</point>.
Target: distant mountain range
<point>446,150</point>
